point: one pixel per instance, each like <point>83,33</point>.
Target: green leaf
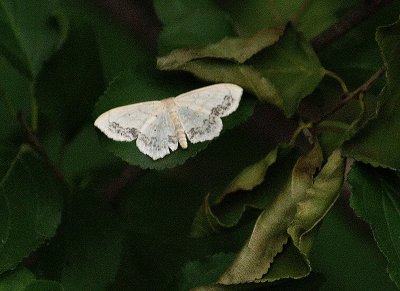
<point>190,23</point>
<point>317,201</point>
<point>85,144</point>
<point>202,272</point>
<point>230,48</point>
<point>279,72</point>
<point>259,14</point>
<point>86,253</point>
<point>31,205</point>
<point>118,51</point>
<point>375,198</point>
<point>345,252</point>
<point>292,67</point>
<point>160,205</point>
<point>69,84</point>
<point>291,263</point>
<point>334,133</point>
<point>23,280</point>
<point>252,175</point>
<point>14,97</point>
<point>297,209</point>
<point>44,285</point>
<point>31,32</point>
<point>220,62</point>
<point>354,56</point>
<point>269,234</point>
<point>315,16</point>
<point>378,143</point>
<point>243,75</point>
<point>113,48</point>
<point>200,275</point>
<point>206,222</point>
<point>139,86</point>
<point>93,245</point>
<point>7,154</point>
<point>319,15</point>
<point>16,280</point>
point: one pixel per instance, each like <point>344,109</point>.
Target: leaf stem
<point>341,82</point>
<point>302,126</point>
<point>354,94</point>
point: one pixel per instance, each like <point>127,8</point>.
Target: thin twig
<point>33,141</point>
<point>354,94</point>
<point>347,22</point>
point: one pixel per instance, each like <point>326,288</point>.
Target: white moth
<point>158,126</point>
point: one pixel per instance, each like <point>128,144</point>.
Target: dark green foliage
<point>254,208</point>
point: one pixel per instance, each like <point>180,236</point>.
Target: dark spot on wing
<point>125,132</point>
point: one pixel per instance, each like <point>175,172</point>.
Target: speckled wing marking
<point>147,122</point>
<point>200,111</point>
